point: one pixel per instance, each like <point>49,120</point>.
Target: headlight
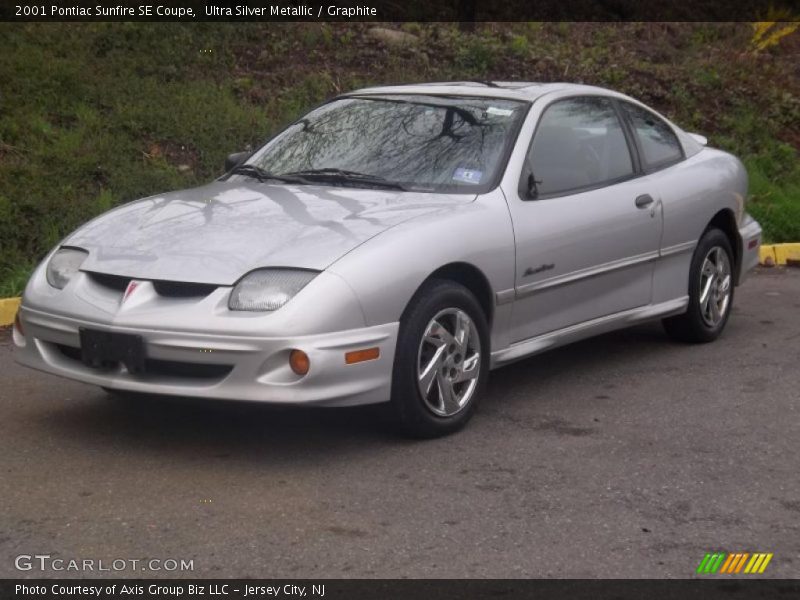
<point>63,265</point>
<point>268,289</point>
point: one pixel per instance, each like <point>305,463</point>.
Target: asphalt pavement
<point>627,455</point>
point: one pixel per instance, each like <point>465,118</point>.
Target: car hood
<point>218,232</point>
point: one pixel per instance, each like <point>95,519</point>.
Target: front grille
<point>168,289</point>
<point>180,289</point>
<point>69,351</point>
<point>114,282</point>
<point>164,368</point>
<point>184,369</point>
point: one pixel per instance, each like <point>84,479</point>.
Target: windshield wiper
<point>341,175</point>
<point>263,175</point>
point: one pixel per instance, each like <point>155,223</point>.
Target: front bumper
<point>234,367</point>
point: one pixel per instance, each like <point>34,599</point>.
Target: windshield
<point>420,143</point>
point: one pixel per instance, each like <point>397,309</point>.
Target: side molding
<point>580,331</point>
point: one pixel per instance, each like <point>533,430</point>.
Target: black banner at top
<point>398,10</point>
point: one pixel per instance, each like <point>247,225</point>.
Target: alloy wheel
<point>715,286</point>
<point>449,362</point>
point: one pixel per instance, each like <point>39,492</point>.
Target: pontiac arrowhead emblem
<point>132,285</point>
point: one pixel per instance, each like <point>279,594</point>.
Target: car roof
<point>513,90</point>
<point>527,91</point>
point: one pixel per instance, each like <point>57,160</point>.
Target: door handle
<point>644,201</point>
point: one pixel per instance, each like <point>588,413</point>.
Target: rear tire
<point>442,347</point>
<point>711,289</point>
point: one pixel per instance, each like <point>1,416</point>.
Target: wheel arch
<point>725,221</point>
<point>472,278</point>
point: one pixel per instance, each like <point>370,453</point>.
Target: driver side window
<point>579,143</point>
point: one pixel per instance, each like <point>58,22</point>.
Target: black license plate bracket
<point>101,348</point>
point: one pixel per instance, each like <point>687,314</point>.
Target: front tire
<point>710,292</point>
<point>442,360</point>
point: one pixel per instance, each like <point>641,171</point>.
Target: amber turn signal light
<point>299,362</point>
<point>357,356</point>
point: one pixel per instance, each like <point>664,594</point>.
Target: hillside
<point>92,115</point>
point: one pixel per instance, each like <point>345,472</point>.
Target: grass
<point>13,279</point>
<point>98,114</point>
<point>775,194</point>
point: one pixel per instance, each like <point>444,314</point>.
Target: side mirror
<point>528,184</point>
<point>533,189</point>
<point>234,160</point>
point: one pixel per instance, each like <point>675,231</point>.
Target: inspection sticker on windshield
<point>500,112</point>
<point>467,175</point>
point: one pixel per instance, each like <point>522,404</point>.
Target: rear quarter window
<point>658,144</point>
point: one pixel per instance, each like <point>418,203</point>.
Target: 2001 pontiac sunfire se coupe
<point>397,243</point>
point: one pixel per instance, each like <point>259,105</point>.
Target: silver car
<point>393,246</point>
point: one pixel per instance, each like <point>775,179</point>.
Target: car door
<point>661,155</point>
<point>586,221</point>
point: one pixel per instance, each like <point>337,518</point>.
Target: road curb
<point>8,310</point>
<point>770,255</point>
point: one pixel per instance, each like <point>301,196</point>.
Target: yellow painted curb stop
<point>779,254</point>
<point>8,310</point>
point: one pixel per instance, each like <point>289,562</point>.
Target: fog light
<point>298,361</point>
